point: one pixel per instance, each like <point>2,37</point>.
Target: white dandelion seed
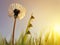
<point>17,6</point>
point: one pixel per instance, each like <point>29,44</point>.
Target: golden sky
<point>46,12</point>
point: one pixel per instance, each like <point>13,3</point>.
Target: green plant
<point>26,39</point>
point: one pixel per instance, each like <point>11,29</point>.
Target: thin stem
<point>13,31</point>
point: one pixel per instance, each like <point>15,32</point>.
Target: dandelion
<point>16,11</point>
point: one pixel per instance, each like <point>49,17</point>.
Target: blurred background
<point>46,13</point>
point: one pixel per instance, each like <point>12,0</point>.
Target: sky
<point>46,13</point>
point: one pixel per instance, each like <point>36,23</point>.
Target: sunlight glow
<point>57,28</point>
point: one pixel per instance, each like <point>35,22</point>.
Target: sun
<point>57,28</point>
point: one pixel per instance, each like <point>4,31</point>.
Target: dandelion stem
<point>13,31</point>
